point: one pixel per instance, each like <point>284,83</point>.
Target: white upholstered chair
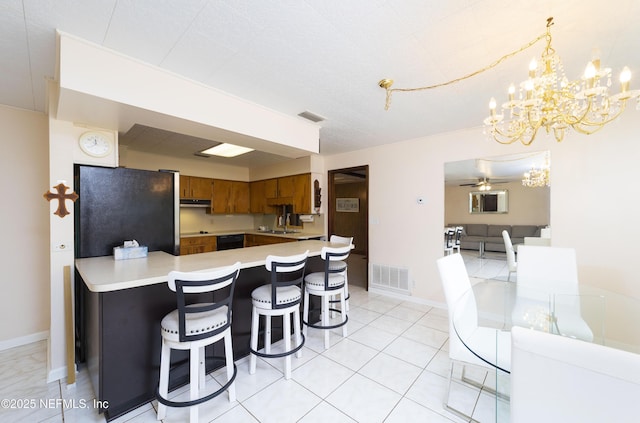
<point>559,379</point>
<point>511,254</point>
<point>484,341</point>
<point>548,277</point>
<point>194,326</point>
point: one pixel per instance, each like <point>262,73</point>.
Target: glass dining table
<point>590,314</point>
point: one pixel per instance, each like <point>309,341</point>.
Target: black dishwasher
<point>229,242</point>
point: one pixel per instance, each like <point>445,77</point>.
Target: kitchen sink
<point>283,232</point>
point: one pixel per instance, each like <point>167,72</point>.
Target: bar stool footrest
<point>279,355</point>
<point>318,326</point>
<point>197,401</point>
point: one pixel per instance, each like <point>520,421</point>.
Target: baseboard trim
<point>24,340</point>
<point>57,374</point>
<point>407,298</point>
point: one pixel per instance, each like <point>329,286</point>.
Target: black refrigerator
<point>121,204</point>
<point>116,205</point>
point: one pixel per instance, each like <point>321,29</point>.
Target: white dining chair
<point>559,379</point>
<point>548,279</point>
<point>511,254</point>
<point>491,344</point>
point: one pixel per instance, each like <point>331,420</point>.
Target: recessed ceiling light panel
<point>226,150</point>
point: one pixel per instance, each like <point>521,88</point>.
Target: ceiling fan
<point>483,182</point>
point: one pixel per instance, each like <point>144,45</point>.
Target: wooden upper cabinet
<point>258,197</point>
<point>195,187</point>
<point>302,194</point>
<point>270,188</point>
<point>230,196</point>
<point>237,197</point>
<point>240,198</point>
<point>290,190</point>
<point>221,196</point>
<point>286,186</point>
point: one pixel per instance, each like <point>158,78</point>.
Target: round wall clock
<point>96,144</point>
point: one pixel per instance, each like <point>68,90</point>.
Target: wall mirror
<point>496,173</point>
<point>489,201</point>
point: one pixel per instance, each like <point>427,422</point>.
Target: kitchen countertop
<point>104,274</point>
<point>292,235</point>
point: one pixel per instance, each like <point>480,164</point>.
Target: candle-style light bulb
<point>533,65</point>
<point>512,90</point>
<point>492,106</point>
<point>590,74</point>
<point>529,87</point>
<point>625,77</point>
<point>595,58</point>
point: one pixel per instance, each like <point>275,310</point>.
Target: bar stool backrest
<point>329,254</point>
<point>186,283</point>
<point>286,271</point>
<point>337,239</point>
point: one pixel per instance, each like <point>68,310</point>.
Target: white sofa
<point>559,379</point>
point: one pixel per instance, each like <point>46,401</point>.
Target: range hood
<point>188,202</point>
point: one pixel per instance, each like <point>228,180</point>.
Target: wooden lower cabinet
<point>197,244</point>
<point>251,240</point>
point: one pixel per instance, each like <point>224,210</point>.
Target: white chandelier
<point>547,99</point>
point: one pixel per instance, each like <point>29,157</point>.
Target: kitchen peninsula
<point>125,300</point>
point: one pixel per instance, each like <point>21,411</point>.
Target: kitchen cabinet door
<point>195,187</point>
<point>286,186</point>
<point>221,196</point>
<point>270,188</point>
<point>184,186</point>
<point>200,187</point>
<point>239,197</point>
<point>258,197</point>
<point>230,196</point>
<point>197,244</point>
<point>302,194</point>
<point>252,240</point>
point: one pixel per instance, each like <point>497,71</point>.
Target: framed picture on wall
<point>349,205</point>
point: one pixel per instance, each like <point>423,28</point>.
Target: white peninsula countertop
<point>105,274</point>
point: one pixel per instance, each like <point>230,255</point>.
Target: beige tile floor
<point>391,368</point>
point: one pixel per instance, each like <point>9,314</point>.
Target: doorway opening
<point>348,215</point>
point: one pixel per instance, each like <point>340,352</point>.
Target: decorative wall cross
<point>61,196</point>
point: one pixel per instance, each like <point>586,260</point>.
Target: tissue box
<point>125,253</point>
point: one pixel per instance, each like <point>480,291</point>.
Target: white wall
<point>24,252</point>
<point>593,206</point>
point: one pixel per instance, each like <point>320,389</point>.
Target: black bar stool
<point>194,326</point>
<point>279,298</point>
<point>327,284</point>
